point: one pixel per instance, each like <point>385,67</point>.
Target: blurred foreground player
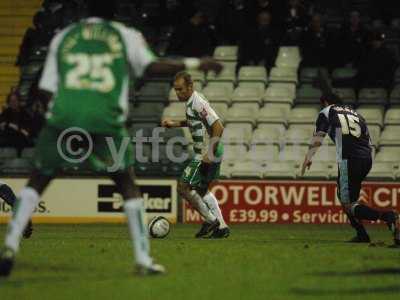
<point>87,73</point>
<point>349,132</point>
<point>204,167</point>
<point>7,194</point>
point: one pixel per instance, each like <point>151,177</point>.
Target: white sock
<point>212,203</point>
<point>134,210</point>
<point>23,210</point>
<point>198,204</point>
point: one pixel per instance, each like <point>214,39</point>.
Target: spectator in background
<point>259,45</point>
<point>350,42</point>
<point>314,44</point>
<point>295,15</point>
<point>377,65</point>
<point>231,21</point>
<point>254,7</point>
<point>194,38</point>
<point>15,125</point>
<point>35,37</point>
<point>36,112</point>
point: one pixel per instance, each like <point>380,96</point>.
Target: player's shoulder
<point>199,99</point>
<point>326,111</point>
<point>126,31</point>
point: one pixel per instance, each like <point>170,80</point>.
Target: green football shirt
<point>88,70</point>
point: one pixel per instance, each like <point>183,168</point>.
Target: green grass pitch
<point>256,262</point>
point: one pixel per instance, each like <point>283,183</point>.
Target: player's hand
<point>167,123</point>
<point>210,64</point>
<point>306,165</point>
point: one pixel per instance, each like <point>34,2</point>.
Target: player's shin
<point>212,203</point>
<point>22,213</point>
<point>134,210</point>
<point>197,202</point>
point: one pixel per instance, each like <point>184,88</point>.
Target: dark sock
<point>7,194</point>
<point>364,212</point>
<point>388,216</point>
<point>358,226</point>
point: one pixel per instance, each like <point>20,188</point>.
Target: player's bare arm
<point>168,123</point>
<point>217,130</point>
<point>316,142</point>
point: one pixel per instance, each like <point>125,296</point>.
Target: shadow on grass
<point>392,289</point>
<point>370,272</point>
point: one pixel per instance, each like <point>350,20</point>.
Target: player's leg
<point>123,176</point>
<point>134,210</point>
<point>343,195</point>
<point>358,170</point>
<point>22,212</point>
<point>7,194</point>
<point>47,160</point>
<point>189,180</point>
<point>188,192</point>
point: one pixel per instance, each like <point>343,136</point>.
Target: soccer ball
<point>159,227</point>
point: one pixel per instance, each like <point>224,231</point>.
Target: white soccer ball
<point>159,227</point>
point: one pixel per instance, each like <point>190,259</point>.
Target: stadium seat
<point>146,111</point>
<point>267,135</point>
<point>390,136</point>
<point>308,95</point>
<point>318,169</point>
<point>299,135</point>
<point>221,109</point>
<point>373,115</point>
<point>237,133</point>
<point>153,91</point>
<point>388,154</point>
<point>7,153</point>
<point>269,126</point>
<point>175,111</point>
<point>252,74</point>
<point>375,133</point>
<point>197,75</point>
<point>392,116</point>
<point>248,169</point>
<point>282,169</point>
<point>279,95</point>
<point>217,93</point>
<point>308,75</point>
<point>372,96</point>
<point>395,95</point>
<point>142,129</point>
<point>227,74</point>
<point>241,112</point>
<point>293,153</point>
<point>226,169</point>
<point>303,115</point>
<point>326,154</point>
<point>284,85</point>
<point>288,57</point>
<point>247,95</point>
<point>226,53</point>
<point>286,107</point>
<point>28,152</point>
<point>284,75</point>
<point>228,86</point>
<point>343,77</point>
<point>234,153</point>
<point>259,86</point>
<point>170,133</point>
<point>348,95</point>
<point>262,153</point>
<point>17,166</point>
<point>271,114</point>
<point>382,170</point>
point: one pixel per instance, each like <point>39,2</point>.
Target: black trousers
<point>351,173</point>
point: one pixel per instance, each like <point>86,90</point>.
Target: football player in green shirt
<point>87,74</point>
